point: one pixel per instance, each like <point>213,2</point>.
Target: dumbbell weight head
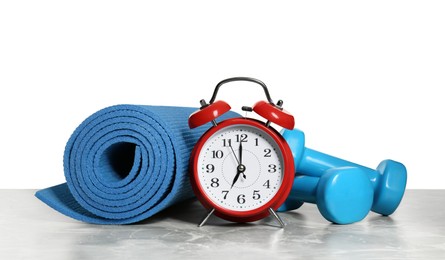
<point>343,195</point>
<point>389,187</point>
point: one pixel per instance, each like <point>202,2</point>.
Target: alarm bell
<point>208,113</point>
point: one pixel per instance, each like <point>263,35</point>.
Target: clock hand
<point>241,168</point>
<point>238,172</point>
<point>241,157</point>
<point>240,152</point>
<point>234,154</point>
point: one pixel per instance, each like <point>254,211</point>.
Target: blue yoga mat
<point>126,163</point>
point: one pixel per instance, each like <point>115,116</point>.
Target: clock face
<point>240,167</point>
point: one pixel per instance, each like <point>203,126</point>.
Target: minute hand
<point>241,152</point>
<point>241,159</point>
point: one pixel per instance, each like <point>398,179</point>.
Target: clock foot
<point>273,213</point>
<point>206,218</point>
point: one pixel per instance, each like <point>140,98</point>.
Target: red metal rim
<point>255,214</point>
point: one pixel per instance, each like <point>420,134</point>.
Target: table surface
<point>31,230</point>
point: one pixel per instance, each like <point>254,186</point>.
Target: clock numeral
<point>217,154</point>
<point>210,168</point>
<point>227,142</point>
<point>241,138</point>
<point>256,141</point>
<point>267,184</point>
<point>272,168</point>
<point>267,152</point>
<point>225,192</point>
<point>256,195</point>
<point>241,199</point>
<point>215,183</point>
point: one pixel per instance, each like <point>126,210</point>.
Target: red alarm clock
<point>242,168</point>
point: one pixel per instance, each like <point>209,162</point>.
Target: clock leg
<point>273,213</point>
<point>206,218</point>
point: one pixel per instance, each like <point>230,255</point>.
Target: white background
<point>364,79</point>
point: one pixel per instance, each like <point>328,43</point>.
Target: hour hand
<point>238,172</point>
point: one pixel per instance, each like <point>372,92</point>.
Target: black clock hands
<point>238,172</point>
<point>241,159</point>
<point>240,152</point>
<point>240,168</point>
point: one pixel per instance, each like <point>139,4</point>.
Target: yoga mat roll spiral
<point>126,163</point>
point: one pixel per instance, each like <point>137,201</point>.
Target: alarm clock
<point>242,169</point>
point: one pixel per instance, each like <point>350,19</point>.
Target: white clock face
<point>240,167</point>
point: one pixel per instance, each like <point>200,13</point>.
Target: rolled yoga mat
<point>126,163</point>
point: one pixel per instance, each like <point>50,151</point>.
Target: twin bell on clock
<point>243,170</point>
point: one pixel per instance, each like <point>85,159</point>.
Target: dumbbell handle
<point>314,163</point>
<point>306,188</point>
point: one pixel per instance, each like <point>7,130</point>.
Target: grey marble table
<point>31,230</point>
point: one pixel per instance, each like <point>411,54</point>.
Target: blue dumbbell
<point>388,180</point>
<point>343,195</point>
